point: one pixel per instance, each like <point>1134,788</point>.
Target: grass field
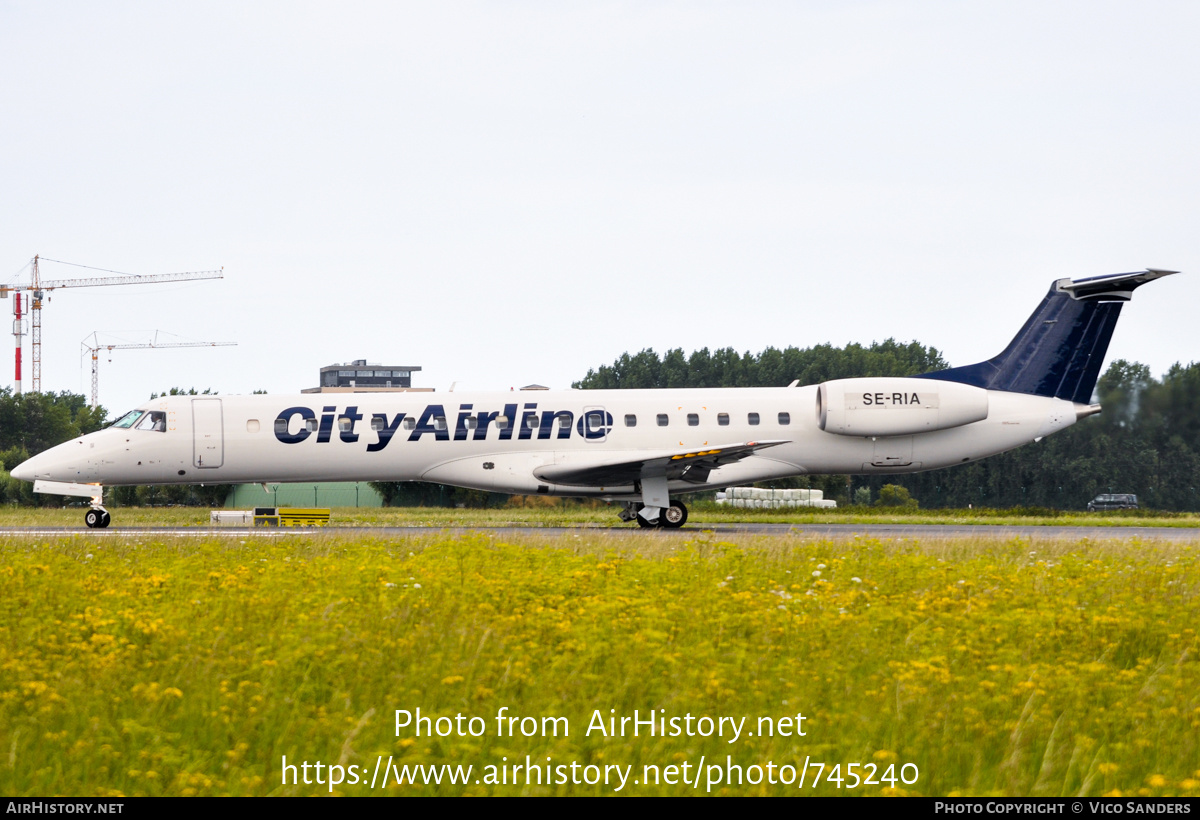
<point>183,666</point>
<point>606,516</point>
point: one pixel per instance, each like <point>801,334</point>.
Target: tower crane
<point>97,346</point>
<point>37,288</point>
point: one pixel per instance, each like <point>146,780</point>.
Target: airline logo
<point>297,424</point>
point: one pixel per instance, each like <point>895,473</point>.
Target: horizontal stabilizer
<point>1114,286</point>
<point>687,465</point>
<point>1059,351</point>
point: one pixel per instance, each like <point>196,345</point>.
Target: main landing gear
<point>97,518</point>
<point>656,508</point>
<point>671,518</point>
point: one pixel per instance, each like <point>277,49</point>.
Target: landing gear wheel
<point>633,510</point>
<point>97,519</point>
<point>674,516</point>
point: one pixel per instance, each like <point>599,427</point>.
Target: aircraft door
<point>893,451</point>
<point>208,433</point>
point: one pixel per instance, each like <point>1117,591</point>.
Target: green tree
<point>191,391</point>
<point>770,368</point>
<point>1146,441</point>
<point>892,495</point>
<point>33,422</point>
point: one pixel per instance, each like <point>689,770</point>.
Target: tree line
<point>770,368</point>
<point>1146,441</point>
<point>33,422</point>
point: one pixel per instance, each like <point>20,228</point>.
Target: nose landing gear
<point>97,518</point>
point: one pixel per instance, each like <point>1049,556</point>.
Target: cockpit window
<point>155,421</point>
<point>128,419</point>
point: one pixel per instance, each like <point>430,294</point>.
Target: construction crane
<point>37,289</point>
<point>97,346</point>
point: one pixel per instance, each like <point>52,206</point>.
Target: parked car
<point>1113,501</point>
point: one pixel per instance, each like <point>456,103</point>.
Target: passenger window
<point>281,427</point>
<point>662,419</point>
<point>472,423</point>
<point>531,422</point>
<point>564,420</point>
<point>311,425</point>
<point>376,423</point>
<point>344,424</point>
<point>752,418</point>
<point>502,422</point>
<point>439,422</point>
<point>785,418</point>
<point>693,419</point>
<point>252,425</point>
<point>409,423</point>
<point>723,419</point>
<point>630,420</point>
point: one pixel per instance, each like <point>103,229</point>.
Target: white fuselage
<point>461,438</point>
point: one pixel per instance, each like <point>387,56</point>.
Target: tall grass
<point>175,666</point>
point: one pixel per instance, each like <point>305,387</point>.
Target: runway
<point>883,531</point>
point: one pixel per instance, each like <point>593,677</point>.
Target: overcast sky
<point>505,193</point>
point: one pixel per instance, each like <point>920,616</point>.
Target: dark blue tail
<point>1061,348</point>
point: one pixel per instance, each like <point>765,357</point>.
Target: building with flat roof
<point>361,376</point>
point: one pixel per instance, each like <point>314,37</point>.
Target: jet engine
<point>897,406</point>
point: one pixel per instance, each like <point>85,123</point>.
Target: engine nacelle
<point>897,406</point>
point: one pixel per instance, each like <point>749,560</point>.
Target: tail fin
<point>1061,348</point>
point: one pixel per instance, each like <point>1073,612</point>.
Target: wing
<point>688,465</point>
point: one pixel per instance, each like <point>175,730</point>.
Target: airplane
<point>640,448</point>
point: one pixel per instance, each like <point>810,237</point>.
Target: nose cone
<point>73,460</point>
<point>40,466</point>
<point>23,471</point>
